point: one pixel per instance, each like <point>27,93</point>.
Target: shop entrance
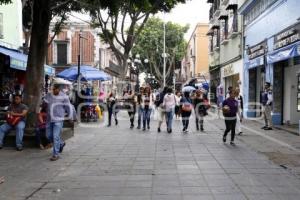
<point>291,100</point>
<point>232,81</point>
<point>256,87</point>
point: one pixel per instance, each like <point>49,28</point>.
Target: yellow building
<point>197,52</point>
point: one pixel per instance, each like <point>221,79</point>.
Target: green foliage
<point>150,44</point>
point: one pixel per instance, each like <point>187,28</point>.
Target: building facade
<point>225,47</point>
<point>11,32</point>
<point>272,54</point>
<point>195,62</point>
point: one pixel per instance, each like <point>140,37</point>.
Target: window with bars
<point>1,25</point>
<point>257,10</point>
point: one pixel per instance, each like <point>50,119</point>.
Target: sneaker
<point>263,127</point>
<point>240,133</point>
<point>144,129</point>
<point>19,148</point>
<point>232,143</point>
<point>54,158</point>
<point>138,127</point>
<point>62,147</point>
<point>148,127</point>
<point>131,126</point>
<point>268,129</point>
<point>158,130</point>
<point>224,139</point>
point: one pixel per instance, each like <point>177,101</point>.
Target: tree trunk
<point>36,59</point>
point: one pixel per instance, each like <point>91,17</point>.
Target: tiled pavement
<point>119,164</point>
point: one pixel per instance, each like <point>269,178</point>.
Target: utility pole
<point>164,54</point>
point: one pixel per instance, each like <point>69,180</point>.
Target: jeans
<point>169,119</point>
<point>185,119</point>
<point>230,126</point>
<point>199,119</point>
<point>146,117</point>
<point>53,132</point>
<point>140,115</point>
<point>111,111</point>
<point>5,128</point>
<point>40,134</point>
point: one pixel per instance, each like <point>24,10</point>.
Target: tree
<point>43,12</point>
<point>122,23</point>
<point>150,45</point>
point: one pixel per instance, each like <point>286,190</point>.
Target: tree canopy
<point>123,21</point>
<point>149,45</point>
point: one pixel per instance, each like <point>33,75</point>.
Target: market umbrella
<point>61,81</point>
<point>188,89</point>
<point>88,73</point>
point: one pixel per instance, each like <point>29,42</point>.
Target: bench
<point>29,136</point>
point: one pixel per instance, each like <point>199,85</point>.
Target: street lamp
<point>134,66</point>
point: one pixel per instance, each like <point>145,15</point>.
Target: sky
<point>192,12</point>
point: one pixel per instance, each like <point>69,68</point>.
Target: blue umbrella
<point>88,73</point>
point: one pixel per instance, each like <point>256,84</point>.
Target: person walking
<point>169,105</point>
<point>267,101</point>
<point>147,101</point>
<point>139,107</point>
<point>130,106</point>
<point>239,99</point>
<point>111,101</point>
<point>159,99</point>
<point>230,111</point>
<point>177,107</point>
<point>58,104</point>
<point>186,108</point>
<point>201,106</point>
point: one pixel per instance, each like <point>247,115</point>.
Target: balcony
<point>232,5</point>
<point>225,2</point>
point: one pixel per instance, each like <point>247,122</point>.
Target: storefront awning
<point>18,60</point>
<point>255,62</point>
<point>284,53</point>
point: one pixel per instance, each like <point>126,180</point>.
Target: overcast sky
<point>193,12</point>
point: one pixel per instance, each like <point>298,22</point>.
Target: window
<point>1,26</point>
<point>62,54</point>
<point>224,30</point>
<point>233,21</point>
<point>257,10</point>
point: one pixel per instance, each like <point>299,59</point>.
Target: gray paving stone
<point>119,164</point>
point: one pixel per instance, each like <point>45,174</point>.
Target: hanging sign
<point>287,37</point>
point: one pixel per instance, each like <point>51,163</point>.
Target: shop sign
<point>257,50</point>
<point>17,64</point>
<point>228,70</point>
<point>287,37</point>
